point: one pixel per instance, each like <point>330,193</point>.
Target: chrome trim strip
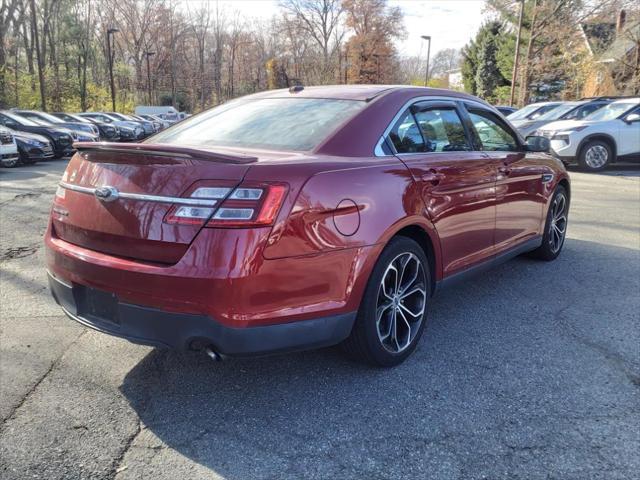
<point>145,198</point>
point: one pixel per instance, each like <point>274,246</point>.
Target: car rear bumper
<point>183,331</point>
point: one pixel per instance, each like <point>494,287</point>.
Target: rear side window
<point>442,130</point>
<point>296,124</point>
<point>429,130</point>
<point>492,135</point>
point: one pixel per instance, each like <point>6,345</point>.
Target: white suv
<point>609,134</point>
<point>8,149</point>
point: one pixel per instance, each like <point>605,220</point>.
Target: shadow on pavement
<point>513,370</point>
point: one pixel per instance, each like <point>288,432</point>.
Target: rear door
<point>133,222</point>
<point>519,186</point>
<point>457,183</point>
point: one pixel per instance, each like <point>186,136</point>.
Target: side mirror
<point>538,144</point>
<point>632,117</point>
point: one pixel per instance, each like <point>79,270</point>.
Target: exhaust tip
<point>215,356</point>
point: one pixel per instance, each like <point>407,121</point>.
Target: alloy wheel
<point>596,156</point>
<point>558,224</point>
<point>402,298</point>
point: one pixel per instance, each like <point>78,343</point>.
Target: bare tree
<point>320,19</point>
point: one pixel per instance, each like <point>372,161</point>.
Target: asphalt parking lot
<point>530,371</point>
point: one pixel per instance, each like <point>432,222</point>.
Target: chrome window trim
<point>378,152</point>
<point>144,197</point>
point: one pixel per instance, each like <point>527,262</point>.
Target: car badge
<point>106,194</point>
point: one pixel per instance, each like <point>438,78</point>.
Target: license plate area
<point>97,305</point>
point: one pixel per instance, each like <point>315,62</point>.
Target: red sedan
<point>297,219</point>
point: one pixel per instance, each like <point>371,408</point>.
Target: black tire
<point>549,250</point>
<point>365,344</point>
<point>25,160</point>
<point>6,163</point>
<point>595,156</point>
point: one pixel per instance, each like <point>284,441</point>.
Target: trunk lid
<point>152,175</point>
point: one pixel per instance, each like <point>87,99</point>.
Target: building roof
<point>622,45</point>
<point>599,36</point>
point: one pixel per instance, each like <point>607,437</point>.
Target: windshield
<point>558,112</point>
<point>49,118</point>
<point>296,124</point>
<point>21,120</point>
<point>100,117</point>
<point>78,119</point>
<point>524,112</point>
<point>611,111</point>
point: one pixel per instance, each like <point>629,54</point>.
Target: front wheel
<point>10,162</point>
<point>555,228</point>
<point>392,314</point>
<point>595,156</point>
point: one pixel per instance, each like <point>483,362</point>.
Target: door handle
<point>432,176</point>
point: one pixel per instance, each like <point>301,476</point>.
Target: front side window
<point>493,136</point>
<point>435,129</point>
<point>294,124</point>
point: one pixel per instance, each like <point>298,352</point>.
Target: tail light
<point>247,205</point>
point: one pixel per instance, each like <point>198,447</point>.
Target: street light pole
<point>426,75</point>
<point>514,73</point>
<point>148,54</point>
<point>110,32</point>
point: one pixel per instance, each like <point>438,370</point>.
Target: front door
<point>519,181</point>
<point>629,137</point>
<point>457,183</point>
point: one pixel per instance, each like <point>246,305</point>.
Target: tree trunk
<point>36,39</point>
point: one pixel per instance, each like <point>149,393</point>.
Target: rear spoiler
<point>164,150</point>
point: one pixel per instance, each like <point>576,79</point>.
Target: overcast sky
<point>450,23</point>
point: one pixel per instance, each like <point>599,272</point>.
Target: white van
<point>8,149</point>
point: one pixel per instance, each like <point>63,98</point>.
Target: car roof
<point>357,92</point>
<point>628,100</point>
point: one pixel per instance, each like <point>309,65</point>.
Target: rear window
<point>296,124</point>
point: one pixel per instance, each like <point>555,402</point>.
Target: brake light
<point>243,206</point>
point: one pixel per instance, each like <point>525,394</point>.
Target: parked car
<point>167,113</point>
<point>8,149</point>
<point>505,110</point>
<point>299,218</point>
<point>107,132</point>
<point>531,112</point>
<point>129,131</point>
<point>610,134</point>
<point>153,118</point>
<point>145,124</point>
<point>158,123</point>
<point>576,110</point>
<point>85,130</point>
<point>61,138</point>
<point>33,147</point>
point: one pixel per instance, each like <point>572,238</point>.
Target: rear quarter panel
<point>351,205</point>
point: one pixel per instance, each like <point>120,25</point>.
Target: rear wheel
<point>555,228</point>
<point>595,156</point>
<point>392,314</point>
